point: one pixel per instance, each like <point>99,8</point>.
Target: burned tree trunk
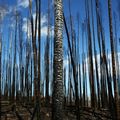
<point>116,95</point>
<point>34,45</point>
<point>14,64</point>
<point>0,73</point>
<point>74,72</point>
<point>57,110</point>
<point>47,56</point>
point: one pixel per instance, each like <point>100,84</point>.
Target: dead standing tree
<point>116,95</point>
<point>90,53</point>
<point>47,56</point>
<point>39,47</point>
<point>0,71</point>
<point>57,108</point>
<point>34,26</point>
<point>33,30</point>
<point>14,64</point>
<point>21,53</point>
<point>0,63</point>
<point>96,61</point>
<point>74,71</point>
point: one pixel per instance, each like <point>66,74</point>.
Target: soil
<point>24,112</point>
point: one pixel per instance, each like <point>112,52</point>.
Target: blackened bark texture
<point>99,31</point>
<point>80,89</point>
<point>116,100</point>
<point>31,80</point>
<point>47,71</point>
<point>91,72</point>
<point>47,56</point>
<point>26,72</point>
<point>0,73</point>
<point>36,62</point>
<point>74,72</point>
<point>39,45</point>
<point>13,84</point>
<point>20,25</point>
<point>22,81</point>
<point>95,54</point>
<point>34,46</point>
<point>38,2</point>
<point>57,110</point>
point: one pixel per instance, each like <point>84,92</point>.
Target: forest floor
<point>22,112</point>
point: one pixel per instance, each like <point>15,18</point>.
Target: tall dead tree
<point>116,95</point>
<point>74,71</point>
<point>47,55</point>
<point>95,54</point>
<point>27,66</point>
<point>39,45</point>
<point>33,30</point>
<point>14,62</point>
<point>116,52</point>
<point>0,71</point>
<point>57,108</point>
<point>20,25</point>
<point>90,53</point>
<point>34,27</point>
<point>0,61</point>
<point>10,62</point>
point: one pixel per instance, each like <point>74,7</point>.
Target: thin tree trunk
<point>39,46</point>
<point>34,46</point>
<point>116,96</point>
<point>95,54</point>
<point>14,64</point>
<point>47,56</point>
<point>0,73</point>
<point>74,73</point>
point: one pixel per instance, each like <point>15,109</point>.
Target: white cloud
<point>3,12</point>
<point>44,31</point>
<point>109,61</point>
<point>43,19</point>
<point>23,3</point>
<point>43,25</point>
<point>26,29</point>
<point>66,62</point>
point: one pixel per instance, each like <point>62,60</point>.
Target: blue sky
<point>77,6</point>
